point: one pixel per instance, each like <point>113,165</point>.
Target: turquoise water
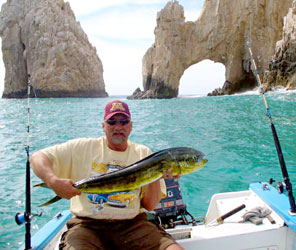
<point>233,132</point>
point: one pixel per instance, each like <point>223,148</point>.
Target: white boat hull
<point>232,234</point>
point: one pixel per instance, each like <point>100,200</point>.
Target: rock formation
<point>219,35</point>
<point>282,67</point>
<point>43,39</point>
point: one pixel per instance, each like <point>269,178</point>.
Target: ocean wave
<point>192,96</point>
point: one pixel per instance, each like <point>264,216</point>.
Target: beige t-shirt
<point>81,158</point>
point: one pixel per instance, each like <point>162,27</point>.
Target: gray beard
<point>117,141</point>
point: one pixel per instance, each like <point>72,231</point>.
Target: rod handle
<point>232,212</point>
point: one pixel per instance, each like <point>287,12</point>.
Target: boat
<point>262,217</point>
<point>276,231</point>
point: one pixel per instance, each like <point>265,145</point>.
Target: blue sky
<point>122,31</point>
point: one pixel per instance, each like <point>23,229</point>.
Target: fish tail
<point>53,200</point>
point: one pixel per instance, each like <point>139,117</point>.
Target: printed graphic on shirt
<point>117,199</point>
<point>120,200</point>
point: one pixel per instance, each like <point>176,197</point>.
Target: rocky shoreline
<point>37,93</point>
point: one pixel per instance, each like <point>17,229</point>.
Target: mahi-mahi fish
<point>181,160</point>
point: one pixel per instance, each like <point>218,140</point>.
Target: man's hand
<point>42,167</point>
<point>63,187</point>
<point>167,174</point>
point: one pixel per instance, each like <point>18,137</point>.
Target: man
<point>104,221</point>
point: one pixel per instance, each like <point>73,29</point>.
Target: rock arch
<point>219,35</point>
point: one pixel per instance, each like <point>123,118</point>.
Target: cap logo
<point>117,106</point>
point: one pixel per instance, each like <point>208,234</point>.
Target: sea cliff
<point>43,39</point>
<point>282,67</point>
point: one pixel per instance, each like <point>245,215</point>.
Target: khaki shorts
<point>134,234</point>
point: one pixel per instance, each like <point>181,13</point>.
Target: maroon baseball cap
<point>116,107</point>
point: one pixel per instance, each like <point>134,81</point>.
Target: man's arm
<point>42,167</point>
<point>153,194</point>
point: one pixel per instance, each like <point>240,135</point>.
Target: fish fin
<point>53,200</point>
<point>41,185</point>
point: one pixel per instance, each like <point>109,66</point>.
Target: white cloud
<point>122,31</point>
<point>122,67</point>
<point>86,7</point>
<point>192,15</point>
<point>130,24</point>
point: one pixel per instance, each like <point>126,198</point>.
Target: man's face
<point>117,133</point>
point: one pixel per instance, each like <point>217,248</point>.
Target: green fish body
<point>181,160</point>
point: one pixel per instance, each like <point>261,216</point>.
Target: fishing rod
<point>275,137</point>
<point>27,216</point>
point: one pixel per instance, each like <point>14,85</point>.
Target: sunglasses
<point>122,122</point>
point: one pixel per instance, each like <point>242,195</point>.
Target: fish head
<point>191,166</point>
<point>192,162</point>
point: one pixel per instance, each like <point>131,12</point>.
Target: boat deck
<point>233,233</point>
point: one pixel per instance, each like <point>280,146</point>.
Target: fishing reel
<point>21,218</point>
